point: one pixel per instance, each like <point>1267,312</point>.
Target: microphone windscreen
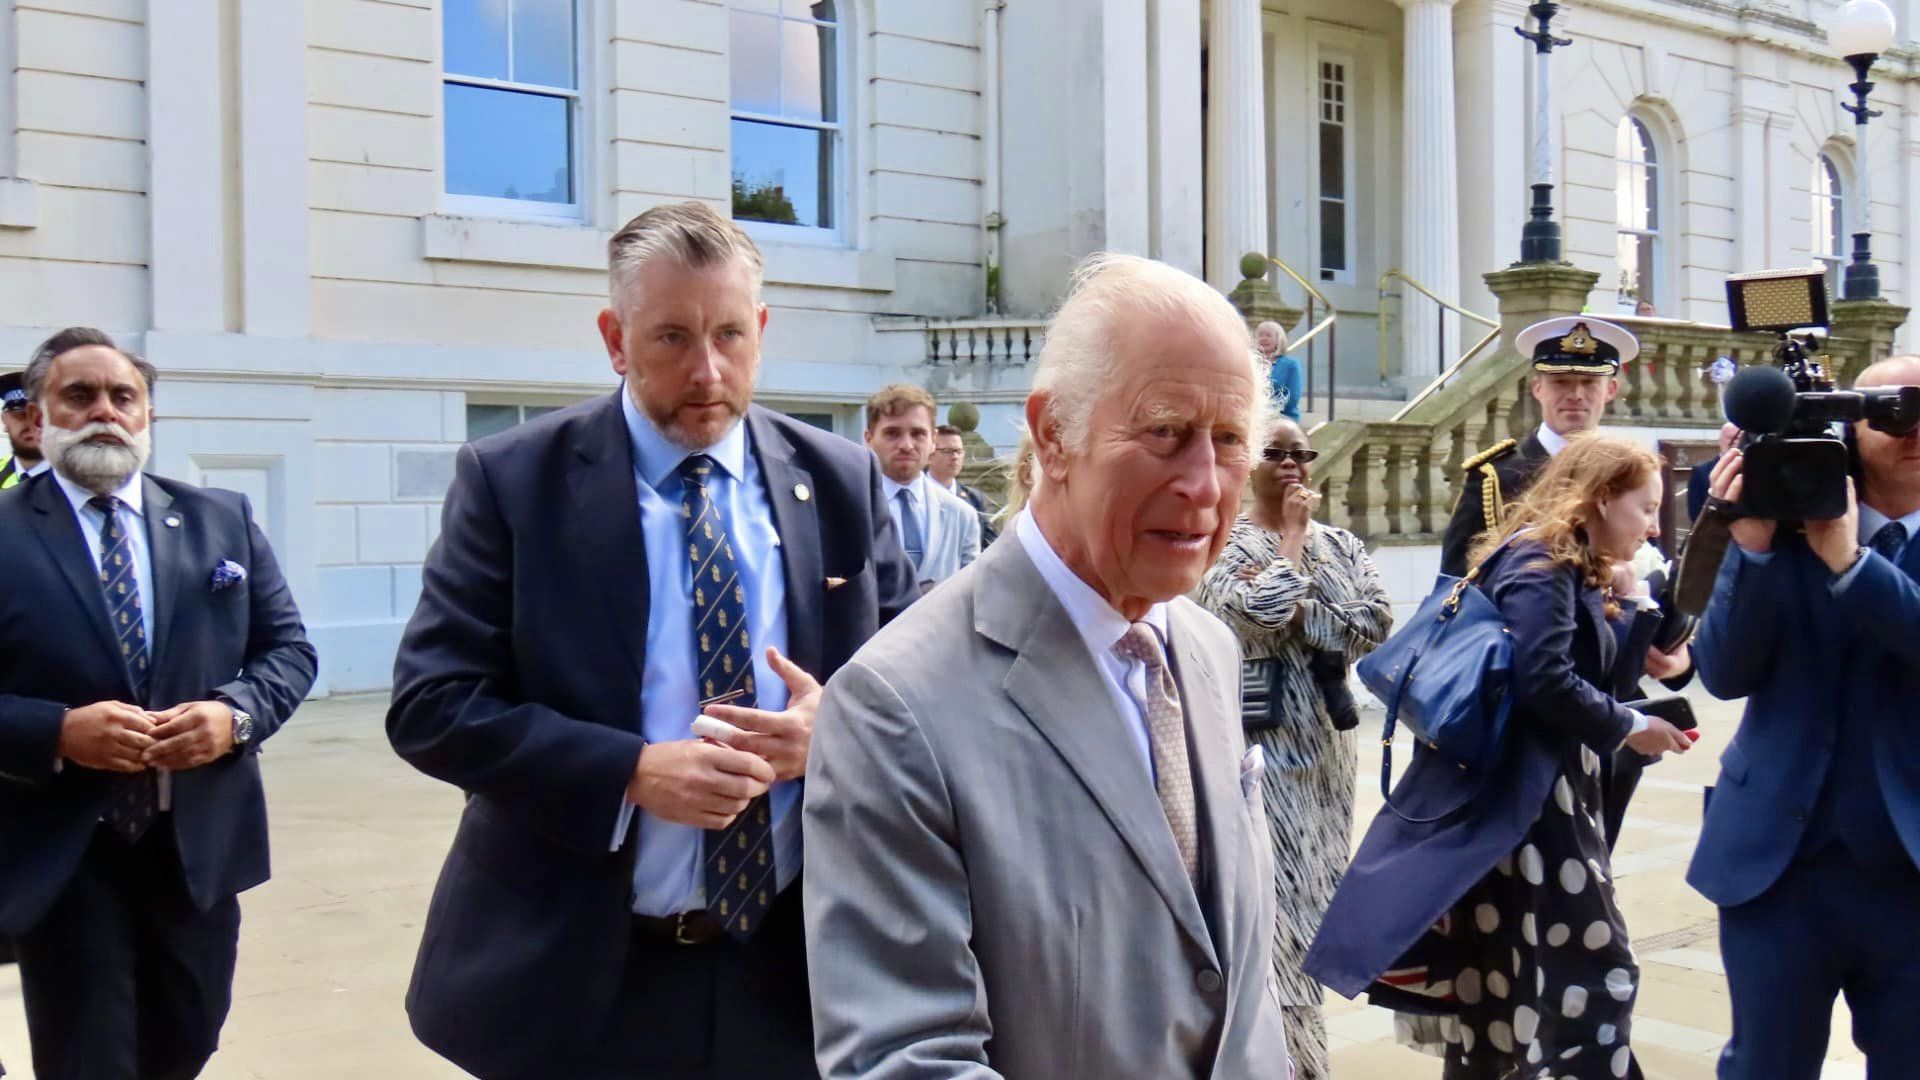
<point>1760,400</point>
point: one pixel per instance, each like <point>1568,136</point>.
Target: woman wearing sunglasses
<point>1306,602</point>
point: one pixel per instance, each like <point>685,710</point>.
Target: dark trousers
<point>1829,926</point>
<point>711,1012</point>
<point>125,979</point>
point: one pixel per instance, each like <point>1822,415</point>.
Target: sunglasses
<point>1282,453</point>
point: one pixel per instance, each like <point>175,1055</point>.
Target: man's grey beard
<point>101,468</point>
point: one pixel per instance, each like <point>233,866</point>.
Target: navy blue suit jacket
<point>518,680</point>
<point>1775,634</point>
<point>1405,876</point>
<point>245,643</point>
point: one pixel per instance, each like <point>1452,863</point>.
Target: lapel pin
<point>801,492</point>
<point>173,521</point>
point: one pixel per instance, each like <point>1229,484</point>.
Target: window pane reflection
<point>508,145</point>
<point>543,42</point>
<point>476,37</point>
<point>782,174</point>
<point>808,72</point>
<point>755,63</point>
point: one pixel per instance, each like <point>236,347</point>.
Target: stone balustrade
<point>993,341</point>
<point>1395,481</point>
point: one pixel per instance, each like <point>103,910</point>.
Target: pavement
<point>326,946</point>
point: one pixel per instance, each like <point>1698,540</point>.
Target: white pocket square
<point>1253,766</point>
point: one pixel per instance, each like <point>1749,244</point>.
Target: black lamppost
<point>1862,30</point>
<point>1540,236</point>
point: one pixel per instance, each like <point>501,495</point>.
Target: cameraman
<point>1812,837</point>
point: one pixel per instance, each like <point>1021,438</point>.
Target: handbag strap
<point>1447,610</point>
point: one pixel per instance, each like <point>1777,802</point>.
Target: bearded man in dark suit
<point>151,647</point>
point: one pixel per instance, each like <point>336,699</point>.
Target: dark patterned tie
<point>740,876</point>
<point>1890,539</point>
<point>136,798</point>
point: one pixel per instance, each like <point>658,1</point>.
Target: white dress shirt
<point>133,522</point>
<point>1550,440</point>
<point>1101,628</point>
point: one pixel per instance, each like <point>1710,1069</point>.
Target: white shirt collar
<point>37,469</point>
<point>1872,521</point>
<point>1100,626</point>
<point>893,488</point>
<point>131,493</point>
<point>1550,440</point>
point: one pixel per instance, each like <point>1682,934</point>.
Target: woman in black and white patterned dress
<point>1301,596</point>
<point>1493,909</point>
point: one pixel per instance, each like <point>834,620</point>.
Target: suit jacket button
<point>1207,981</point>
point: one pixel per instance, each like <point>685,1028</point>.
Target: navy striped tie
<point>740,877</point>
<point>136,798</point>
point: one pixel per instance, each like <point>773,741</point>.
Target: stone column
<point>1430,231</point>
<point>1491,80</point>
<point>1236,139</point>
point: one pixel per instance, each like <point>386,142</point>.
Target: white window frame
<point>1349,175</point>
<point>486,206</point>
<point>1657,165</point>
<point>1827,165</point>
<point>841,233</point>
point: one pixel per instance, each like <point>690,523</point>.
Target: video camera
<point>1796,465</point>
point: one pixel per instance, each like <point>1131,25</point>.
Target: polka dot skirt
<point>1541,972</point>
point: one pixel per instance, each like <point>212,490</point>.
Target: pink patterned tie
<point>1167,738</point>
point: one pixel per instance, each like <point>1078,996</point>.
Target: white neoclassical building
<point>354,233</point>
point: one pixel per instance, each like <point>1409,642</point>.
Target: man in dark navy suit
<point>151,646</point>
<point>1811,845</point>
<point>620,898</point>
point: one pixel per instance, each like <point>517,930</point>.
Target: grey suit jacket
<point>991,886</point>
<point>953,533</point>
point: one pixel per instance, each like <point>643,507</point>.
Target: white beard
<point>101,468</point>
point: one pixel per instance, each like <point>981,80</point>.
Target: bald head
<point>1893,371</point>
<point>1889,464</point>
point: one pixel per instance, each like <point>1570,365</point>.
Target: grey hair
<point>1279,333</point>
<point>691,234</point>
<point>1076,359</point>
<point>34,379</point>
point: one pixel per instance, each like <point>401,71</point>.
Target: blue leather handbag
<point>1448,675</point>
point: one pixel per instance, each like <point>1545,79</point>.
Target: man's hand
<point>190,735</point>
<point>781,738</point>
<point>109,735</point>
<point>1664,666</point>
<point>1837,540</point>
<point>1659,738</point>
<point>697,782</point>
<point>1754,535</point>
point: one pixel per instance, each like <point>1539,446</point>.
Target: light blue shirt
<point>1871,522</point>
<point>667,874</point>
<point>1101,628</point>
<point>133,522</point>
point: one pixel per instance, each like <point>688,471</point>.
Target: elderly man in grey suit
<point>1044,855</point>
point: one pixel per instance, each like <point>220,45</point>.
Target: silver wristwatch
<point>242,727</point>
